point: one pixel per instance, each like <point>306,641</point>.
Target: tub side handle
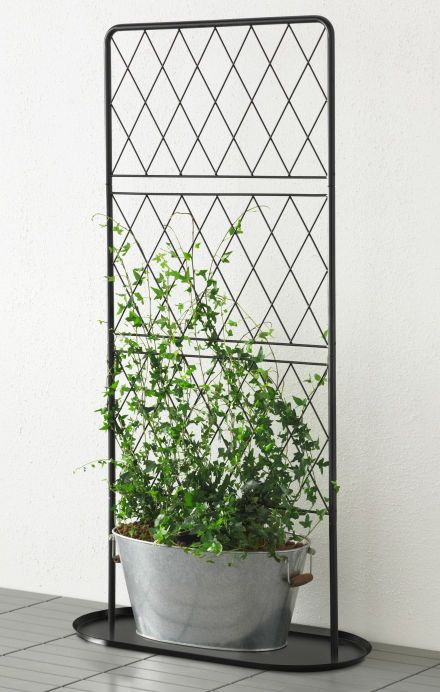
<point>300,579</point>
<point>116,558</point>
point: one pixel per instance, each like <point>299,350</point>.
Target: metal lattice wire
<point>232,102</point>
<point>235,101</point>
<point>253,286</point>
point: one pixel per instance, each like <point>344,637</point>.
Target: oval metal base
<point>307,650</point>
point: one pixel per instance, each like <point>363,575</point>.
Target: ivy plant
<point>213,456</point>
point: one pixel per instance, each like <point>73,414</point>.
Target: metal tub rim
<point>307,544</point>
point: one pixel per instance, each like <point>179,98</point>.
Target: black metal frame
<point>92,627</point>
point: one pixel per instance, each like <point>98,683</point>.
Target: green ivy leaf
<point>211,449</point>
<point>134,318</point>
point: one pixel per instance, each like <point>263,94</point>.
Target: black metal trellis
<point>158,130</point>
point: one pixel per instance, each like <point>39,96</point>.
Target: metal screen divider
<point>337,639</point>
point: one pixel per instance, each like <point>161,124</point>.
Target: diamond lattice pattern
<point>245,101</point>
<point>277,278</point>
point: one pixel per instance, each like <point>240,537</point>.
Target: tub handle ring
<point>116,558</point>
<point>301,579</point>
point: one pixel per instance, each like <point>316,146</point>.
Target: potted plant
<point>216,463</point>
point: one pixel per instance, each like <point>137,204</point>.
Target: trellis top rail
<point>218,148</point>
<point>306,19</point>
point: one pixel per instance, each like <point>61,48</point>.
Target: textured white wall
<point>53,523</point>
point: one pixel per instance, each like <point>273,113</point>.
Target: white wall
<point>53,523</point>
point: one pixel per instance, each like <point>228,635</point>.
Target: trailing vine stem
<point>213,457</point>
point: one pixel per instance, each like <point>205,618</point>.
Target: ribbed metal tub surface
<point>200,601</point>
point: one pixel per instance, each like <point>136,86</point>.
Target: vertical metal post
<point>333,546</point>
<point>110,327</point>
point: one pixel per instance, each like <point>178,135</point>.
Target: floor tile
<point>400,658</point>
<point>411,685</point>
<point>119,678</point>
<point>13,672</point>
<point>118,683</point>
<point>14,642</point>
<point>93,686</point>
<point>36,613</point>
<point>49,664</point>
<point>14,623</point>
<point>81,603</point>
<point>392,667</point>
<point>407,651</point>
<point>21,640</point>
<point>306,682</point>
<point>295,686</point>
<point>213,673</point>
<point>428,678</point>
<point>77,667</point>
<point>151,675</point>
<point>23,686</point>
<point>98,663</point>
<point>39,652</point>
<point>358,678</point>
<point>25,595</point>
<point>204,665</point>
<point>432,672</point>
<point>15,607</point>
<point>75,643</point>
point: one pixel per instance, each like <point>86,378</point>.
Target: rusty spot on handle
<point>116,559</point>
<point>300,579</point>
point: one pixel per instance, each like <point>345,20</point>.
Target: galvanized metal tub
<point>221,602</point>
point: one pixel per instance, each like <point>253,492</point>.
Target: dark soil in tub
<point>142,533</point>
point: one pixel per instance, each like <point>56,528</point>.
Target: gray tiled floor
<point>38,653</point>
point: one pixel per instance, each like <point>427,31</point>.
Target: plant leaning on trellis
<point>213,456</point>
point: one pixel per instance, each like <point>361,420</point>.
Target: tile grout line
<point>48,641</point>
<point>406,650</point>
<point>223,686</point>
<point>24,648</point>
<point>29,605</point>
<point>87,677</point>
<point>247,677</point>
<point>407,677</point>
<point>32,646</point>
<point>376,689</point>
<point>115,669</point>
<point>214,689</point>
